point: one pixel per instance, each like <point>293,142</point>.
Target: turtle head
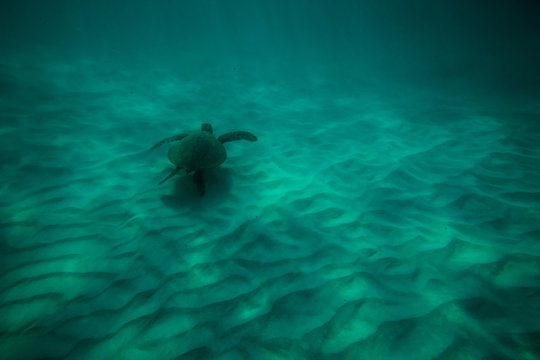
<point>207,127</point>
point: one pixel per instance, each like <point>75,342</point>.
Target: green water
<point>390,208</point>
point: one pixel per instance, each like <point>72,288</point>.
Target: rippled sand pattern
<point>357,227</point>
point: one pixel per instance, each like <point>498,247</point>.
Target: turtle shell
<point>197,152</point>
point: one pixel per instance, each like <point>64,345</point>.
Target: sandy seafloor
<point>398,224</point>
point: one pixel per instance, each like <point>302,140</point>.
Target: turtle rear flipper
<point>173,172</point>
<point>168,140</point>
<point>237,135</point>
<point>198,179</point>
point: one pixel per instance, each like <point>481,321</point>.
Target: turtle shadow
<point>185,195</point>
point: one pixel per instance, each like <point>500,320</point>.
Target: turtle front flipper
<point>168,140</point>
<point>198,179</point>
<point>175,170</point>
<point>237,135</point>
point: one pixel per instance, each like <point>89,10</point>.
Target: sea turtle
<point>198,151</point>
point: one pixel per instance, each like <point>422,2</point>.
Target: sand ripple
<point>369,236</point>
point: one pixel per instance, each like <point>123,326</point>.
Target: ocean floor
<point>362,225</point>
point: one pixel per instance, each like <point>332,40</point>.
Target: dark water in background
<point>399,137</point>
<point>446,44</point>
